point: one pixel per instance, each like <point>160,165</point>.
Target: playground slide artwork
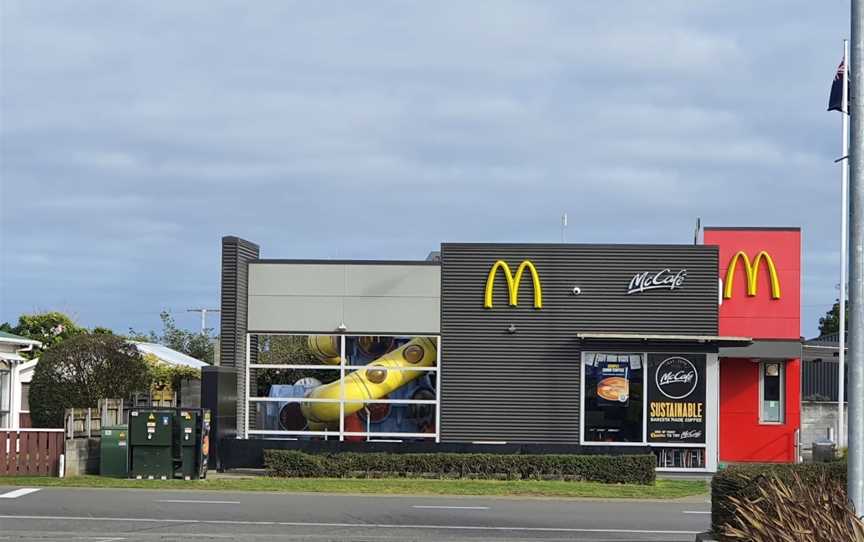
<point>378,368</point>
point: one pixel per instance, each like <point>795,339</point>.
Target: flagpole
<point>844,247</point>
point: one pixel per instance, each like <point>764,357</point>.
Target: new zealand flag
<point>835,101</point>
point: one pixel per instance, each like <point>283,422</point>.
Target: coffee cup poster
<point>676,393</point>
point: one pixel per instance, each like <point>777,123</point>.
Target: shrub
<point>743,482</point>
<point>638,469</point>
<point>816,511</point>
<point>168,377</point>
<point>81,370</point>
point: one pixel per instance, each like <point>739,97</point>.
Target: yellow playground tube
<point>325,348</point>
<point>373,381</point>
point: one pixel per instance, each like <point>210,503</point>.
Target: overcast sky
<point>136,134</point>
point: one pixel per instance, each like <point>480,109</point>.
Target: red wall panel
<point>742,437</point>
<point>761,316</point>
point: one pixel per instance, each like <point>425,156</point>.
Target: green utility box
<point>151,439</point>
<point>114,452</point>
<point>188,441</point>
<point>192,443</point>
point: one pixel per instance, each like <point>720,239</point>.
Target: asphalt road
<point>113,515</point>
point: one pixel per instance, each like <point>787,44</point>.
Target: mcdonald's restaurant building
<point>689,352</point>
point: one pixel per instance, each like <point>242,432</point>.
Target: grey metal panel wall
<point>365,297</point>
<point>236,255</point>
<point>820,381</point>
<point>524,387</point>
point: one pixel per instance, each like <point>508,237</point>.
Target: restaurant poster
<point>676,398</point>
<point>613,386</point>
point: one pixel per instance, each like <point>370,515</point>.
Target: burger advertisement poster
<point>676,398</point>
<point>613,389</point>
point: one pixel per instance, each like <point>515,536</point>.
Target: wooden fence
<point>87,422</point>
<point>30,452</point>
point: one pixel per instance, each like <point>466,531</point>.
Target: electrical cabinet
<point>114,451</point>
<point>151,433</point>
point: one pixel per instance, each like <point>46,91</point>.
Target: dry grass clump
<point>794,512</point>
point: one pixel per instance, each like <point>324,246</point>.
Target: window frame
<point>21,396</point>
<point>6,395</point>
<point>706,446</point>
<point>582,394</point>
<point>782,408</point>
<point>343,369</point>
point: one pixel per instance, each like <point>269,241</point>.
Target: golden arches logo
<point>513,283</point>
<point>752,270</point>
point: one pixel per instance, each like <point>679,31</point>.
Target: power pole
<point>203,317</point>
<point>856,274</point>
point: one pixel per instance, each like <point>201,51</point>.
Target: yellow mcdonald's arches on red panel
<point>513,283</point>
<point>752,271</point>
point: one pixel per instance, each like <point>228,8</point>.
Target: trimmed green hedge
<point>743,480</point>
<point>614,469</point>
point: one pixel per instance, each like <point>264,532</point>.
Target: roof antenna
<point>564,227</point>
<point>698,229</point>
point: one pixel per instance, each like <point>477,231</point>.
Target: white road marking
<point>19,492</point>
<point>696,511</point>
<point>196,502</point>
<point>450,507</point>
<point>353,525</point>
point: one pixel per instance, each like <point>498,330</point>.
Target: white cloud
<point>138,133</point>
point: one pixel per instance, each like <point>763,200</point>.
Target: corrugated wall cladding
<point>236,255</point>
<point>524,386</point>
<point>820,381</point>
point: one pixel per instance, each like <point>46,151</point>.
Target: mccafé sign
<point>513,282</point>
<point>751,269</point>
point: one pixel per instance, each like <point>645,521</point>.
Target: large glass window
<point>613,389</point>
<point>771,392</point>
<point>346,387</point>
<point>286,370</point>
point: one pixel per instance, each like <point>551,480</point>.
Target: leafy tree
<point>7,327</point>
<point>49,328</point>
<point>198,345</point>
<point>168,377</point>
<point>830,323</point>
<point>287,349</point>
<point>80,371</point>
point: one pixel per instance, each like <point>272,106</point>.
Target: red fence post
<point>3,455</point>
<point>54,451</point>
<point>42,446</point>
<point>13,453</point>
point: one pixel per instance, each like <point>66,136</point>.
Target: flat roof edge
<point>346,262</point>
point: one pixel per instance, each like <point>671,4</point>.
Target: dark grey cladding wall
<point>236,255</point>
<point>524,387</point>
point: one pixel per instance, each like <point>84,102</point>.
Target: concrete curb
<point>707,536</point>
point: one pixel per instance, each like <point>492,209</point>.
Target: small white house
<point>16,371</point>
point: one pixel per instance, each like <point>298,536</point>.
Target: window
<point>353,388</point>
<point>614,392</point>
<point>5,392</point>
<point>771,392</point>
<point>25,397</point>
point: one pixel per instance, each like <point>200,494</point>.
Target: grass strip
<point>662,489</point>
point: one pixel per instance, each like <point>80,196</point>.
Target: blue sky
<point>135,134</point>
